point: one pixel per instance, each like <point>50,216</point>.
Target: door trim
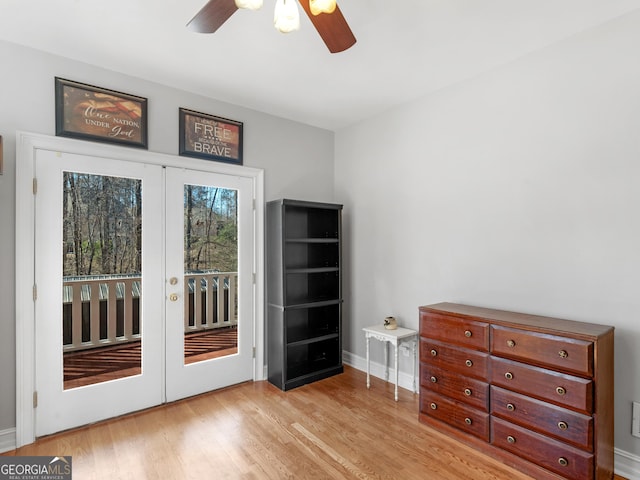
<point>26,146</point>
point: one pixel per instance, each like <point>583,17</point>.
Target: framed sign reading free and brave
<point>209,137</point>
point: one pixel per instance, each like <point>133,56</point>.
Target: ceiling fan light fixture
<point>322,6</point>
<point>249,4</point>
<point>286,17</point>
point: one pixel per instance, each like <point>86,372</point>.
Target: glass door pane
<point>211,272</point>
<point>102,282</point>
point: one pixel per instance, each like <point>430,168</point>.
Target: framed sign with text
<point>93,113</point>
<point>209,137</point>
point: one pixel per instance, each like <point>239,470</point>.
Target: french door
<point>209,288</point>
<point>144,277</point>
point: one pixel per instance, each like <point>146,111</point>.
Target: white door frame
<point>26,146</point>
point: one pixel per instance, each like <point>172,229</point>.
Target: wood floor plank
<point>332,429</point>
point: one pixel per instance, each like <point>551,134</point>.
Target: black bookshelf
<point>304,292</point>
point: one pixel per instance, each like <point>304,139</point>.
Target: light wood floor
<point>332,429</point>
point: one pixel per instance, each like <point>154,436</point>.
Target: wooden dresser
<point>534,392</point>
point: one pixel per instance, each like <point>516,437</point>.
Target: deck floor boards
<point>97,365</point>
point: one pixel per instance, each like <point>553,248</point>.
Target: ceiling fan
<point>325,16</point>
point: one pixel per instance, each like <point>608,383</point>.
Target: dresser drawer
<point>470,363</point>
<point>455,414</point>
<point>564,353</point>
<point>458,387</point>
<point>551,454</point>
<point>558,422</point>
<point>465,333</point>
<point>557,388</point>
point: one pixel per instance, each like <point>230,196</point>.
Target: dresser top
<point>516,319</point>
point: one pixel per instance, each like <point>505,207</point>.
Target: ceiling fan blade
<point>211,17</point>
<point>332,28</point>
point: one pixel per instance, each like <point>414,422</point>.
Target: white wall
<point>297,159</point>
<point>518,190</point>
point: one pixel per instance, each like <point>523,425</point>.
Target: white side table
<point>396,338</point>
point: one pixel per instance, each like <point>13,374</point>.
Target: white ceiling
<point>405,48</point>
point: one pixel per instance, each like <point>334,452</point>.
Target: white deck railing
<point>100,311</point>
<point>217,304</point>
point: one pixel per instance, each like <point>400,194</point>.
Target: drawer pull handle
<point>563,461</point>
<point>467,392</point>
<point>469,363</point>
<point>511,407</point>
<point>467,333</point>
<point>561,391</point>
<point>511,439</point>
<point>433,406</point>
<point>563,425</point>
<point>468,421</point>
<point>434,352</point>
<point>563,354</point>
<point>508,376</point>
<point>511,343</point>
<point>434,380</point>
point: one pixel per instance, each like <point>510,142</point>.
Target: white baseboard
<point>7,440</point>
<point>405,380</point>
<point>626,464</point>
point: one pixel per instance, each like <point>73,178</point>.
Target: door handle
<point>173,281</point>
<point>173,297</point>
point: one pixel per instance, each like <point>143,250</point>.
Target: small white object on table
<point>396,338</point>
